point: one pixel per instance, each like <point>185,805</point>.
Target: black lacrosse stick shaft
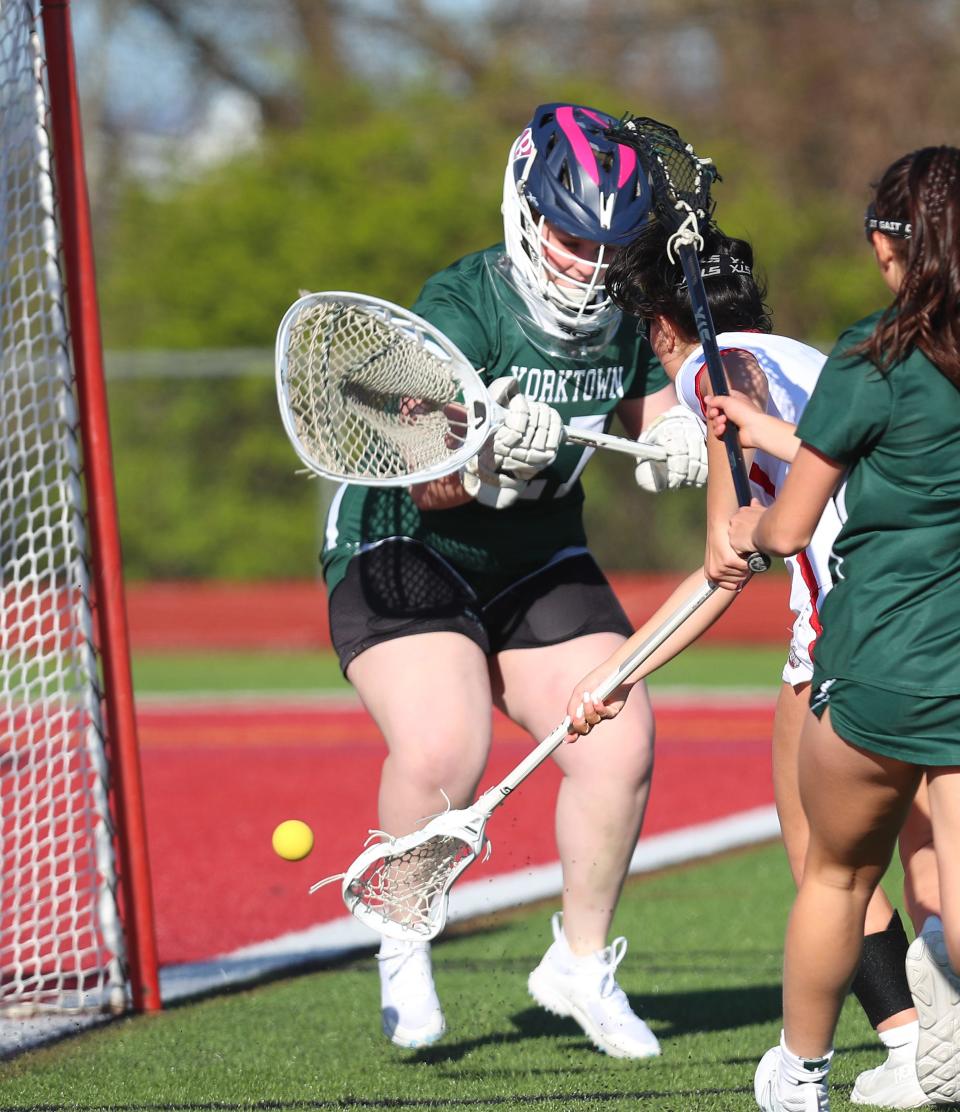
<point>718,380</point>
<point>680,183</point>
<point>756,561</point>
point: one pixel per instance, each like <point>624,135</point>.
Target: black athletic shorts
<point>401,587</point>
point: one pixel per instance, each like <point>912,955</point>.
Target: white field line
<point>328,941</point>
<point>17,1035</point>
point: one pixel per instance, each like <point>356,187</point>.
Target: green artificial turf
<point>237,672</point>
<point>703,968</point>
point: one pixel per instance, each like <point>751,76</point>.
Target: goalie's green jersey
<point>464,302</point>
<point>892,619</point>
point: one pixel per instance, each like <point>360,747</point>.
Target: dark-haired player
<point>774,377</point>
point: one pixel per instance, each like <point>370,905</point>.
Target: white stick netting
<point>367,399</point>
<point>60,943</point>
<point>409,888</point>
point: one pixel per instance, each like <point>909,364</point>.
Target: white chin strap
<point>576,293</point>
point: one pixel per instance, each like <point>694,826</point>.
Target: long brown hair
<point>922,189</point>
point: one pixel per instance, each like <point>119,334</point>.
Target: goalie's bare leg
<point>437,744</point>
<point>430,694</point>
<point>599,812</point>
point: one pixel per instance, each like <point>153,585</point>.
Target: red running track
<point>200,615</point>
<point>218,778</point>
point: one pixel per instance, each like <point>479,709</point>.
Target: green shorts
<point>918,729</point>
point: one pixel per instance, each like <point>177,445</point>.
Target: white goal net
<point>61,945</point>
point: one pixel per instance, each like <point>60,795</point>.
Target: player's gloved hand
<point>528,440</point>
<point>679,433</point>
<point>524,444</point>
<point>490,487</point>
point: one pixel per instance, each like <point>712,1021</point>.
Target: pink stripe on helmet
<point>578,141</point>
<point>628,161</point>
<point>628,158</point>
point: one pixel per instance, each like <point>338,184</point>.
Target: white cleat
<point>893,1084</point>
<point>586,990</point>
<point>775,1095</point>
<point>410,1012</point>
<point>936,994</point>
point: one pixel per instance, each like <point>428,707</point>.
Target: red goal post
<point>76,916</point>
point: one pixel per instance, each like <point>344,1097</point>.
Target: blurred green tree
<point>377,158</point>
<point>371,197</point>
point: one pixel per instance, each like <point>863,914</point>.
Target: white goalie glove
<point>679,433</point>
<point>524,444</point>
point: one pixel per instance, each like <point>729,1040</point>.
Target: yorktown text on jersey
<point>555,387</point>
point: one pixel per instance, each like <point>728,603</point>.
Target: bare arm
<point>755,428</point>
<point>724,565</point>
<point>440,494</point>
<point>698,623</point>
<point>788,525</point>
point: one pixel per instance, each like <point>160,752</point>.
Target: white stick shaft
<point>493,797</point>
<point>623,444</point>
<point>595,439</point>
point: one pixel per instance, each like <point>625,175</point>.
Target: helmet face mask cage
<point>564,174</point>
<point>539,325</point>
<point>577,302</point>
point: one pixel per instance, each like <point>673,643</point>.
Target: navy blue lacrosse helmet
<point>564,172</point>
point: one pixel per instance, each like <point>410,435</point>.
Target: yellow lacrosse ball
<point>292,840</point>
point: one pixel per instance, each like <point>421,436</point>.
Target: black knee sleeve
<point>881,981</point>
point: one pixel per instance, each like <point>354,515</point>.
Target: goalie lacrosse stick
<point>400,887</point>
<point>370,393</point>
<point>680,182</point>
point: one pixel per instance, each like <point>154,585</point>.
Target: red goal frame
<point>109,606</point>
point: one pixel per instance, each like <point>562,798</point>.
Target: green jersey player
<point>885,703</point>
<point>479,590</point>
<point>771,378</point>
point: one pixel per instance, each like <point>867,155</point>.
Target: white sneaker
<point>585,989</point>
<point>936,994</point>
<point>774,1095</point>
<point>893,1084</point>
<point>410,1012</point>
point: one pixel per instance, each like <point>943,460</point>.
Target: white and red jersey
<point>792,370</point>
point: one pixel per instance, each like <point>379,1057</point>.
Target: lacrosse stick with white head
<point>370,393</point>
<point>400,886</point>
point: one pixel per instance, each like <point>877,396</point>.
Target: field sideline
<point>280,672</point>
